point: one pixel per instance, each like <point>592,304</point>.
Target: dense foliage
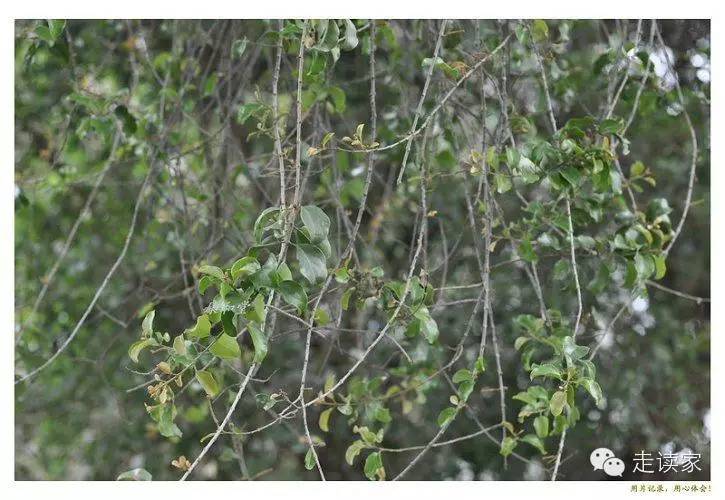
<point>344,248</point>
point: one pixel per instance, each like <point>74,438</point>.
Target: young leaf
<point>594,389</point>
<point>350,41</point>
<point>353,451</point>
<point>139,346</point>
<point>325,419</point>
<point>179,345</point>
<point>201,329</point>
<point>374,466</point>
<point>428,326</point>
<point>557,403</point>
<point>135,475</point>
<point>321,317</point>
<point>263,221</point>
<point>147,325</point>
<point>660,266</point>
<point>207,381</point>
<point>309,459</point>
<point>541,426</point>
<point>462,375</point>
<point>446,416</point>
<point>545,370</point>
<point>212,271</point>
<point>508,445</point>
<point>225,347</point>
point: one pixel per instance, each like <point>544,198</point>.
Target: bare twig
<point>421,101</point>
<point>223,424</point>
<point>102,287</point>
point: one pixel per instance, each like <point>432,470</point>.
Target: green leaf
<point>147,325</point>
<point>201,329</point>
<point>480,365</point>
<point>507,446</point>
<point>492,157</point>
<point>207,381</point>
<point>283,273</point>
<point>309,459</point>
<point>210,84</point>
<point>541,426</point>
<point>502,182</point>
<point>135,475</point>
<point>212,271</point>
<point>637,169</point>
<point>557,403</point>
<point>572,175</point>
<point>179,345</point>
<point>350,41</point>
<point>345,299</point>
<point>526,251</point>
<point>263,222</point>
<point>56,27</point>
<point>545,370</point>
<point>244,267</point>
<point>660,266</point>
<point>644,265</point>
<point>462,375</point>
<point>205,282</point>
<point>246,111</point>
<point>316,221</point>
<point>611,126</point>
<point>383,415</point>
<point>321,317</point>
<point>139,346</point>
<point>259,340</point>
<point>164,415</point>
<point>513,157</point>
<point>44,33</point>
<point>225,347</point>
<point>238,47</point>
<point>342,275</point>
<point>446,416</point>
<point>594,389</point>
<point>293,293</point>
<point>353,451</point>
<point>573,351</point>
<point>465,389</point>
<point>428,326</point>
<point>325,419</point>
<point>534,441</point>
<point>339,99</point>
<point>374,466</point>
<point>439,63</point>
<point>312,262</point>
<point>539,30</point>
<point>519,342</point>
<point>258,311</point>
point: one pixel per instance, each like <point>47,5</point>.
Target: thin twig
<point>223,424</point>
<point>102,287</point>
<point>421,101</point>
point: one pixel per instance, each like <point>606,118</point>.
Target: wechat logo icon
<point>604,459</point>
